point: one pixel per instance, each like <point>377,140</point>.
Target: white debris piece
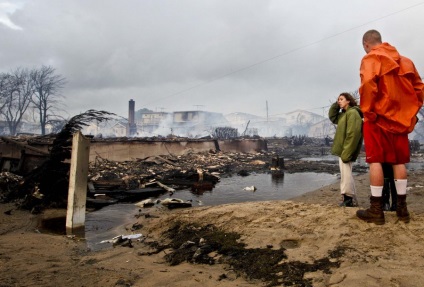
<point>146,203</point>
<point>121,238</point>
<point>168,201</point>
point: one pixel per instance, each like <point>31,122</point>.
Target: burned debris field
<point>112,181</point>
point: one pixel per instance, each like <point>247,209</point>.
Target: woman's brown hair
<point>350,98</point>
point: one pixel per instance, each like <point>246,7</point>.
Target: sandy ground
<point>386,255</point>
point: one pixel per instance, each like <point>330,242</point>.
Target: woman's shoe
<point>347,201</point>
<point>386,206</point>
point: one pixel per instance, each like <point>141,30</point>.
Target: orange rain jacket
<point>391,89</point>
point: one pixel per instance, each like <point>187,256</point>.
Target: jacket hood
<point>388,51</point>
<point>388,55</point>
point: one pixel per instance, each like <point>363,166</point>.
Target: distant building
<point>301,117</point>
<point>119,129</point>
<point>110,128</point>
<point>242,118</point>
<point>290,124</point>
<point>249,124</point>
<point>196,123</point>
<point>29,128</point>
<point>274,127</point>
<point>322,129</point>
<point>150,121</point>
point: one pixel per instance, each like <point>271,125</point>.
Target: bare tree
<point>356,95</point>
<point>3,90</point>
<point>419,128</point>
<point>16,89</point>
<point>47,97</point>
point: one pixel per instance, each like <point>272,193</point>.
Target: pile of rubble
<point>133,180</point>
<point>9,183</point>
<point>112,181</point>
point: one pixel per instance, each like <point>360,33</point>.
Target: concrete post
<point>77,193</point>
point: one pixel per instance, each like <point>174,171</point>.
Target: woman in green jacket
<point>345,113</point>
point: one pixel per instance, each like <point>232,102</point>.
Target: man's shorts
<point>382,146</point>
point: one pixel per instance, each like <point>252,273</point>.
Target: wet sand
<point>386,255</point>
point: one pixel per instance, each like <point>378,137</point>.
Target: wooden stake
<point>77,193</point>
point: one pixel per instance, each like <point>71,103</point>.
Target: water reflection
<point>103,224</point>
<point>277,179</point>
<point>268,187</point>
<point>201,187</point>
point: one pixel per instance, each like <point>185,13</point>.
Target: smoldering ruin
<point>35,175</point>
<point>137,168</point>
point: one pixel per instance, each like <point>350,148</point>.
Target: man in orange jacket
<point>391,94</point>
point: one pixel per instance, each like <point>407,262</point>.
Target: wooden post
<point>77,193</point>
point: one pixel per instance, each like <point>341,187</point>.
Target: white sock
<point>376,191</point>
<point>401,186</point>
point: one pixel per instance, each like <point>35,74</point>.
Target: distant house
<point>271,127</point>
<point>110,128</point>
<point>240,119</point>
<point>301,117</point>
<point>29,128</point>
<point>92,129</point>
<point>119,129</point>
<point>322,129</point>
<point>265,127</point>
<point>196,123</point>
<point>150,121</point>
<point>290,124</point>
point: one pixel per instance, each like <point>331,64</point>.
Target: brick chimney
<point>132,127</point>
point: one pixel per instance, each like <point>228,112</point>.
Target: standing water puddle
<point>104,223</point>
<point>268,187</point>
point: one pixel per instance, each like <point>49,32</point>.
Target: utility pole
<point>267,111</point>
<point>197,106</point>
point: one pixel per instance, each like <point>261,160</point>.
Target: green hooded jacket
<point>348,138</point>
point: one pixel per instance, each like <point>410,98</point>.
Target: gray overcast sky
<point>221,56</point>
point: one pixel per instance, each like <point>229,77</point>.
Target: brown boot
<point>373,214</point>
<point>401,210</point>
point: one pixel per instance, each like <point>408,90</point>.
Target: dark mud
<point>209,245</point>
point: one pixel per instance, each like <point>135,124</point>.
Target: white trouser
<point>347,183</point>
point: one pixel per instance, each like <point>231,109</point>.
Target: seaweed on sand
<point>195,244</point>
